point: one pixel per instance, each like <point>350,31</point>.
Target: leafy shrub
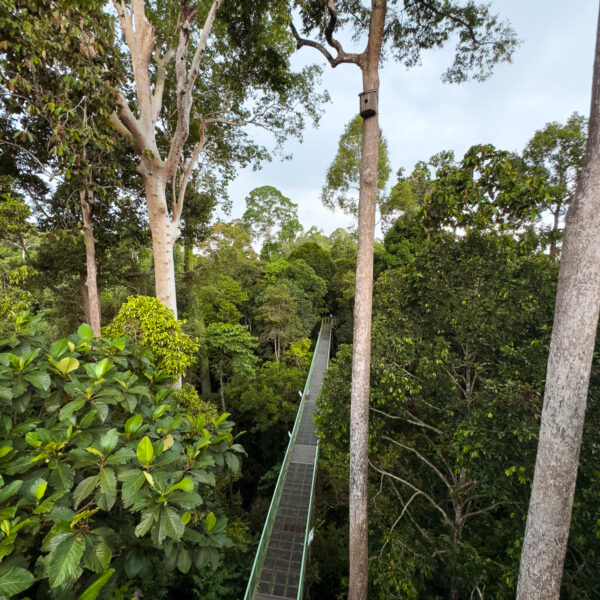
<point>153,326</point>
<point>101,472</point>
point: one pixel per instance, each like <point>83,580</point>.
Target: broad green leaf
<point>109,441</point>
<point>5,450</point>
<point>68,409</point>
<point>40,490</point>
<point>132,482</point>
<point>121,456</point>
<point>185,517</point>
<point>84,489</point>
<point>133,424</point>
<point>58,348</point>
<point>41,381</point>
<point>108,481</point>
<point>222,418</point>
<point>108,489</point>
<point>15,581</point>
<point>144,525</point>
<point>6,393</point>
<point>91,593</point>
<point>94,451</point>
<point>97,554</point>
<point>184,560</point>
<point>185,484</point>
<point>61,478</point>
<point>66,365</point>
<point>85,332</point>
<point>160,411</point>
<point>170,525</point>
<point>64,558</point>
<point>102,368</point>
<point>145,451</point>
<point>210,521</point>
<point>9,490</point>
<point>233,462</point>
<point>168,442</point>
<point>149,478</point>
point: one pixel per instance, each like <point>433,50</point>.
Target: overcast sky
<point>549,79</point>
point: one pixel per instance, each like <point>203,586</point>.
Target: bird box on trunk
<point>368,103</point>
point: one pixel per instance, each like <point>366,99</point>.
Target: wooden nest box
<point>368,103</point>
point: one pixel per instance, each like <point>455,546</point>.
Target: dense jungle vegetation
<point>152,357</point>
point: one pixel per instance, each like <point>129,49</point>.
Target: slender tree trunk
<point>554,244</point>
<point>222,387</point>
<point>204,363</point>
<point>188,257</point>
<point>567,379</point>
<point>164,235</point>
<point>361,354</point>
<point>87,200</point>
<point>205,387</point>
<point>85,298</point>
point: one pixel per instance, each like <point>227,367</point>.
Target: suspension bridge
<point>282,553</point>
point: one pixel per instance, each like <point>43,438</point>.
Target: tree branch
<point>186,80</point>
<point>421,457</point>
<point>415,488</point>
<point>341,56</point>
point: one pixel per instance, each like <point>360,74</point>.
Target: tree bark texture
<point>91,284</point>
<point>361,354</point>
<point>567,379</point>
<point>165,232</point>
<point>85,298</point>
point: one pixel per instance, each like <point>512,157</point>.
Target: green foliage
<point>315,257</point>
<point>219,302</point>
<point>278,318</point>
<point>268,209</point>
<point>154,328</point>
<point>460,336</point>
<point>101,470</point>
<point>306,287</point>
<point>343,175</point>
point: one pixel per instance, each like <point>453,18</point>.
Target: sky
<point>549,78</point>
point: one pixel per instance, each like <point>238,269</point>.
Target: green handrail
<point>268,526</point>
<point>312,492</point>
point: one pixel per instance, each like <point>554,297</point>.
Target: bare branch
<point>415,488</point>
<point>413,420</point>
<point>159,88</point>
<point>421,457</point>
<point>34,157</point>
<point>186,80</point>
<point>341,57</point>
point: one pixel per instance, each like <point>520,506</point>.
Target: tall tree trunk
<point>205,376</point>
<point>204,363</point>
<point>188,257</point>
<point>222,387</point>
<point>361,354</point>
<point>87,208</point>
<point>164,235</point>
<point>567,378</point>
<point>85,298</point>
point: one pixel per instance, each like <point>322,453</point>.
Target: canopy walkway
<point>279,565</point>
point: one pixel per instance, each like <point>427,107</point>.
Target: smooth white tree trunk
<point>165,232</point>
<point>567,379</point>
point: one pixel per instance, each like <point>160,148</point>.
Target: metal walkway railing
<point>279,565</point>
